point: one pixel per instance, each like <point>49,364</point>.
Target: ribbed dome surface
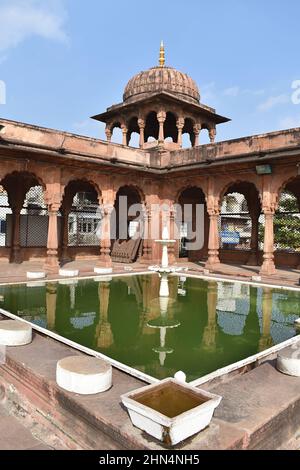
<point>158,79</point>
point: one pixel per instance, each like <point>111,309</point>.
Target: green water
<point>208,325</point>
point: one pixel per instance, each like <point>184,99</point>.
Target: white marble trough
<point>69,272</point>
<point>35,274</point>
<point>170,411</point>
<point>15,333</point>
<point>288,360</point>
<point>84,375</point>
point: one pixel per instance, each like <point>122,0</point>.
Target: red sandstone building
<point>52,181</point>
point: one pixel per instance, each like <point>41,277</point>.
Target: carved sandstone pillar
<point>161,117</point>
<point>268,266</point>
<point>108,134</point>
<point>124,135</point>
<point>52,262</point>
<point>180,126</point>
<point>212,134</point>
<point>141,124</point>
<point>196,129</point>
<point>105,241</point>
<point>213,238</point>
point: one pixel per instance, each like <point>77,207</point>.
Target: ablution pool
<point>204,325</point>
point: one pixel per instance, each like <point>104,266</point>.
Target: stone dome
<point>158,79</point>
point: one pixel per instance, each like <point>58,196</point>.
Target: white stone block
<point>36,275</point>
<point>84,375</point>
<point>288,360</point>
<point>102,270</point>
<point>256,278</point>
<point>15,333</point>
<point>69,272</point>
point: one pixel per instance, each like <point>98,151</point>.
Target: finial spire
<point>162,55</point>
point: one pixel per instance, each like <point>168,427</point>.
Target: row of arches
<point>24,221</point>
<point>24,217</point>
<point>241,224</point>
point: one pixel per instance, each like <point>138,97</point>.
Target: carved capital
<point>197,129</point>
<point>269,203</point>
<point>124,129</point>
<point>108,133</point>
<point>212,204</point>
<point>141,123</point>
<point>161,116</point>
<point>180,123</point>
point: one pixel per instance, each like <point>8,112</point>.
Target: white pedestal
<point>103,270</point>
<point>15,333</point>
<point>288,360</point>
<point>69,272</point>
<point>84,375</point>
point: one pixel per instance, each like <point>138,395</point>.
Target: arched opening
<point>133,132</point>
<point>25,216</point>
<point>188,135</point>
<point>287,224</point>
<point>170,128</point>
<point>81,218</point>
<point>193,225</point>
<point>240,224</point>
<point>127,228</point>
<point>204,135</point>
<point>116,133</point>
<point>5,215</point>
<point>34,219</point>
<point>152,126</point>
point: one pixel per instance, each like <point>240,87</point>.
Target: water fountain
<point>164,269</point>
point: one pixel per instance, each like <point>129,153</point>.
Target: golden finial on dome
<point>162,55</point>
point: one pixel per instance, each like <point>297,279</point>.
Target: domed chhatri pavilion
<point>52,182</point>
<point>160,103</point>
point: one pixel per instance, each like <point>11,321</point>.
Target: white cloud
<point>289,122</point>
<point>273,101</point>
<point>21,19</point>
<point>233,91</point>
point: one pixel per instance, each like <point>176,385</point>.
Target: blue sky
<point>65,60</point>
